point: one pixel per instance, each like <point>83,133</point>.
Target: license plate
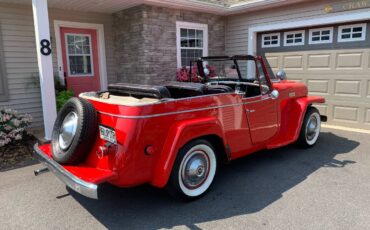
<point>107,134</point>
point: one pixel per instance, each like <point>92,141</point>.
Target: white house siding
<point>19,52</point>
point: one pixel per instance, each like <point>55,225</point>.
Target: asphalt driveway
<point>326,187</point>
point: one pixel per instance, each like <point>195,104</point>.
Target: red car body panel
<point>240,125</point>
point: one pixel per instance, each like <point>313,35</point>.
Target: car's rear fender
<point>180,134</point>
<point>292,115</point>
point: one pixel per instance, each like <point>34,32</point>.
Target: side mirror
<point>281,74</point>
<point>274,94</point>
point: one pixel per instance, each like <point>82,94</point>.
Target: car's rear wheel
<point>194,170</point>
<point>310,129</point>
<point>74,131</point>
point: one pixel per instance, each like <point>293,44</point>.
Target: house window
<point>294,38</point>
<point>321,35</point>
<point>79,54</point>
<point>192,42</point>
<point>270,40</point>
<point>349,33</point>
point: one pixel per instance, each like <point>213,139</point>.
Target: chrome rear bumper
<point>84,188</point>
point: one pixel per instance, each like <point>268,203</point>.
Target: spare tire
<point>74,131</point>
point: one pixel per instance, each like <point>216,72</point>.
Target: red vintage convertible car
<point>177,134</point>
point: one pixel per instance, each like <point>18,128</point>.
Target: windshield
<point>226,69</point>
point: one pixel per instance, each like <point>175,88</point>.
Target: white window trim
<point>294,43</point>
<point>311,31</point>
<point>363,35</point>
<point>190,25</point>
<point>270,35</point>
<point>91,56</point>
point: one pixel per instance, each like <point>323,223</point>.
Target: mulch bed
<point>18,154</point>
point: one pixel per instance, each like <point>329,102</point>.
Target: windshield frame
<point>235,58</point>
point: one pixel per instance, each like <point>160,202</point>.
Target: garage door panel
<point>349,61</point>
<point>367,116</point>
<point>323,109</point>
<point>294,62</point>
<point>347,88</point>
<point>319,62</point>
<point>273,61</point>
<point>345,114</point>
<point>320,87</point>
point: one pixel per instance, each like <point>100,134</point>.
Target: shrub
<point>183,74</point>
<point>13,126</point>
<point>58,85</point>
<point>63,97</point>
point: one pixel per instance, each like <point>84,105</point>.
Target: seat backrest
<point>139,91</point>
<point>185,89</point>
<point>215,89</point>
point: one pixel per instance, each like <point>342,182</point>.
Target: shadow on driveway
<point>245,186</point>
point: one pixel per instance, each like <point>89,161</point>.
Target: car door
<point>261,110</point>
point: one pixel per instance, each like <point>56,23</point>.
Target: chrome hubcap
<point>311,129</point>
<point>195,169</point>
<point>68,130</point>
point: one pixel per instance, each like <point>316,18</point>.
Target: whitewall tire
<point>194,170</point>
<point>310,130</point>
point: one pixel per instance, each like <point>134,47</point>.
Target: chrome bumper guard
<point>84,188</point>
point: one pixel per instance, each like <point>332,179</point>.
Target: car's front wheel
<point>194,170</point>
<point>310,129</point>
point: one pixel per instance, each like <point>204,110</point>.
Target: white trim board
<point>324,20</point>
<point>101,48</point>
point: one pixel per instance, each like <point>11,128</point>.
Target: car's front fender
<point>292,115</point>
<point>180,134</point>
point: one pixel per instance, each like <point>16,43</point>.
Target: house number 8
<point>45,47</point>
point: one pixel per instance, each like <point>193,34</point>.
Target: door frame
<point>101,48</point>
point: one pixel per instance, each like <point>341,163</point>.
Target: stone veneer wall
<point>145,41</point>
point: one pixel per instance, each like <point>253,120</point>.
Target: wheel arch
<point>209,129</point>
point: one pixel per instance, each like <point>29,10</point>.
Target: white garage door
<point>341,76</point>
<point>333,61</point>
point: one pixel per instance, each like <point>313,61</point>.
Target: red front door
<point>80,59</point>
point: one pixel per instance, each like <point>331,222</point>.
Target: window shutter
<point>3,78</point>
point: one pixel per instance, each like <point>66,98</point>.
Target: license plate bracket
<point>107,134</point>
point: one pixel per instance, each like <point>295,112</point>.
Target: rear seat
<point>185,89</point>
<point>139,91</point>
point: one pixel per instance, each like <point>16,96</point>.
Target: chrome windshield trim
<point>80,186</point>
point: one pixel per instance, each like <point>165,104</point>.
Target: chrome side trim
<point>169,113</point>
<point>183,111</point>
<point>84,188</point>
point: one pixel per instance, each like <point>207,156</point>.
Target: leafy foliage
<point>13,126</point>
<point>183,74</point>
<point>62,97</point>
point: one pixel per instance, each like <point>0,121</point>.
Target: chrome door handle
<point>250,110</point>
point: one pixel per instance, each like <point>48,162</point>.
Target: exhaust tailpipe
<point>40,171</point>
